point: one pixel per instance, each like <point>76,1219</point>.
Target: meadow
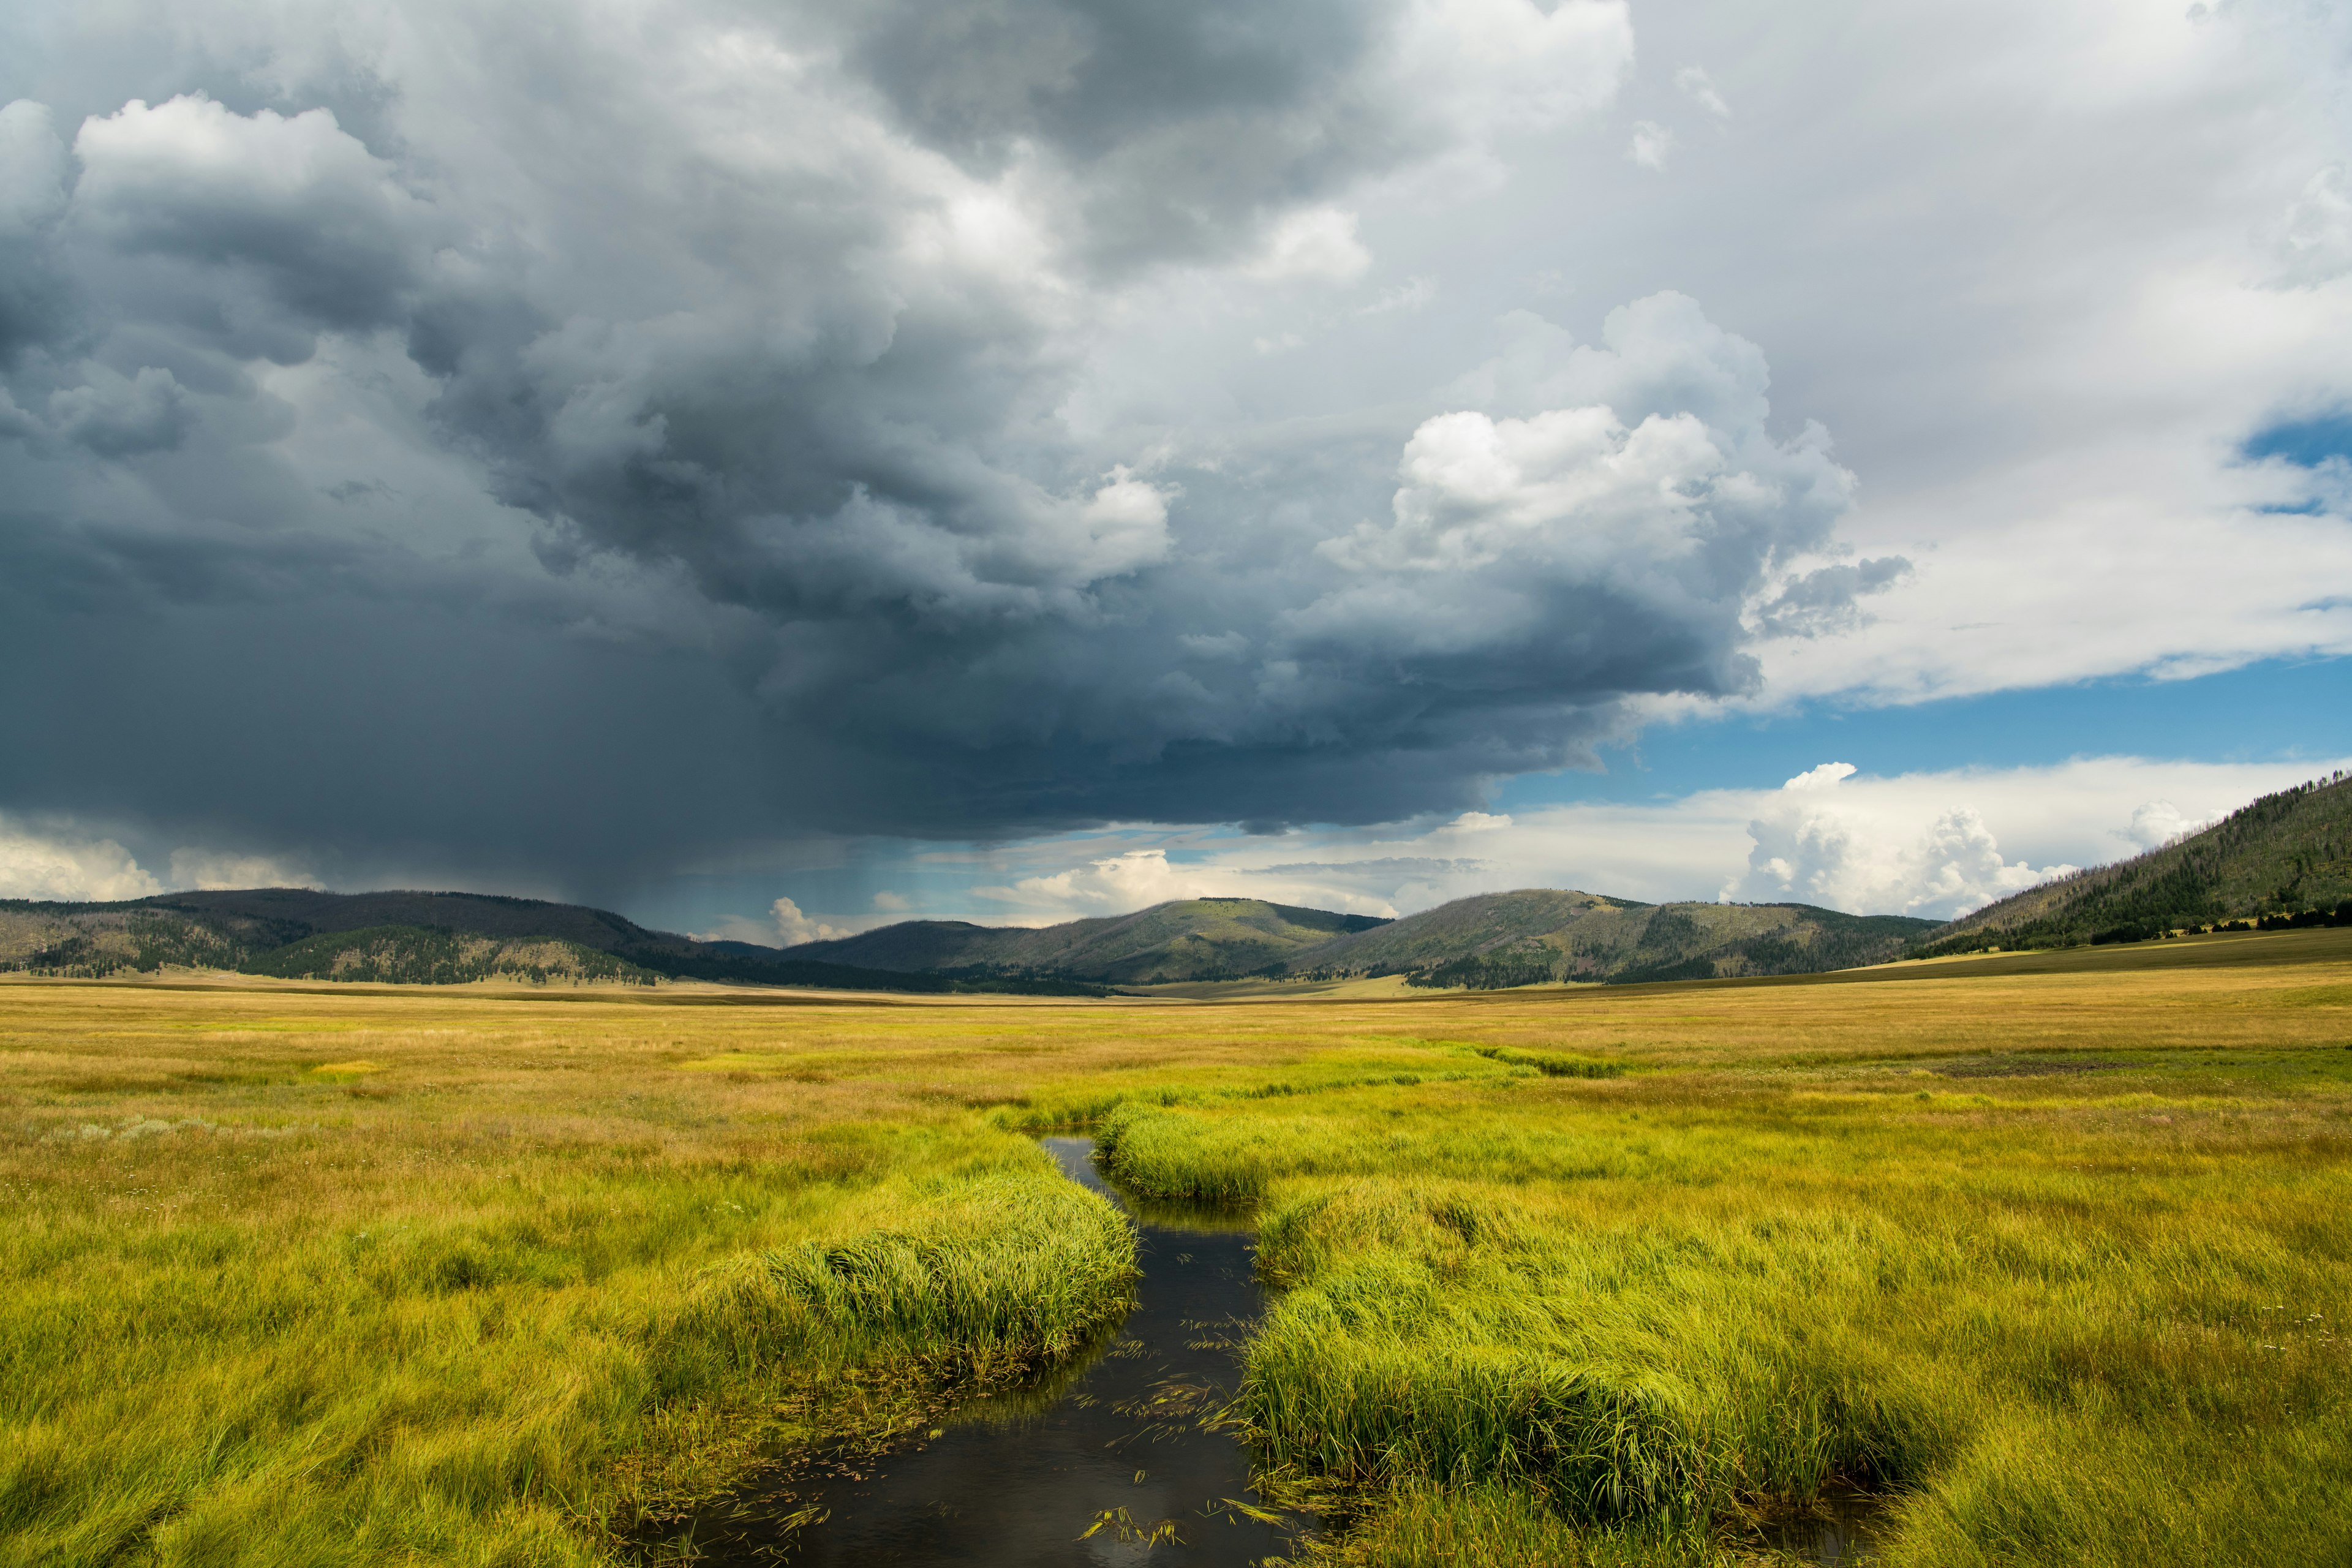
<point>2052,1264</point>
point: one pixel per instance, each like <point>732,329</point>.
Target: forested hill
<point>1536,936</point>
<point>1190,939</point>
<point>2286,860</point>
<point>1542,935</point>
<point>417,937</point>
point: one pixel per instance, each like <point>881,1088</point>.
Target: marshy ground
<point>2052,1260</point>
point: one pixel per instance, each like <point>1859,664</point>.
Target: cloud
<point>1589,548</point>
<point>1932,845</point>
<point>757,363</point>
<point>850,420</point>
<point>35,295</point>
<point>793,928</point>
<point>1651,145</point>
<point>886,556</point>
<point>1700,88</point>
<point>1139,879</point>
<point>60,860</point>
<point>115,415</point>
<point>1814,847</point>
<point>2156,823</point>
<point>2314,244</point>
<point>1189,132</point>
<point>1491,65</point>
<point>201,868</point>
<point>1825,600</point>
<point>1114,884</point>
<point>325,228</point>
<point>785,926</point>
<point>67,866</point>
<point>1412,294</point>
<point>1318,246</point>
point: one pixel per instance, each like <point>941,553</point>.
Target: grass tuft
<point>985,1280</point>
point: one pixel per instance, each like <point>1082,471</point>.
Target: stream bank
<point>1107,1463</point>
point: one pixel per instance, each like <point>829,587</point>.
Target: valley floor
<point>2052,1257</point>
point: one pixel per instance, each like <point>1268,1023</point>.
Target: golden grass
<point>319,1276</point>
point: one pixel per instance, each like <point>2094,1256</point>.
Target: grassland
<point>2057,1261</point>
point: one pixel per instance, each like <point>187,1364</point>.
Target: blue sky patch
<point>2306,443</point>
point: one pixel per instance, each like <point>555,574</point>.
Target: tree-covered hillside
<point>1190,939</point>
<point>1541,936</point>
<point>422,955</point>
<point>2287,856</point>
<point>1535,936</point>
<point>426,938</point>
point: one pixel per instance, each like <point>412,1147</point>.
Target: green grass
<point>475,1287</point>
<point>511,1386</point>
<point>991,1278</point>
<point>2057,1261</point>
<point>2089,1316</point>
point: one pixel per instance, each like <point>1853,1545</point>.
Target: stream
<point>1017,1482</point>
<point>1107,1463</point>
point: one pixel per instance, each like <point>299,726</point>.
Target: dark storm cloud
<point>35,302</point>
<point>678,450</point>
<point>1181,124</point>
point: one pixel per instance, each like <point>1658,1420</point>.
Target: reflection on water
<point>1834,1533</point>
<point>1107,1464</point>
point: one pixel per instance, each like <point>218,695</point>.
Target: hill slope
<point>422,956</point>
<point>2286,854</point>
<point>430,937</point>
<point>1535,936</point>
<point>1191,938</point>
<point>1540,935</point>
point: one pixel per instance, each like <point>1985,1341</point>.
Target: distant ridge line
<point>419,937</point>
<point>2282,860</point>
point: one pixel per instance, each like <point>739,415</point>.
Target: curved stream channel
<point>1016,1483</point>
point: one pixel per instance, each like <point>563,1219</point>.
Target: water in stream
<point>1834,1533</point>
<point>1014,1484</point>
<point>1017,1482</point>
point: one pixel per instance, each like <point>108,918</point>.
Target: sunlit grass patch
<point>987,1276</point>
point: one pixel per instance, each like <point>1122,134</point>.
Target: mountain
<point>1538,935</point>
<point>2287,858</point>
<point>1535,936</point>
<point>296,932</point>
<point>1191,939</point>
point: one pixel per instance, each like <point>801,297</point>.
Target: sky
<point>778,470</point>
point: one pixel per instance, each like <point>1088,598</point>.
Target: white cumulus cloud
<point>1815,845</point>
<point>793,928</point>
<point>67,866</point>
<point>2159,821</point>
<point>1137,879</point>
<point>1656,474</point>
